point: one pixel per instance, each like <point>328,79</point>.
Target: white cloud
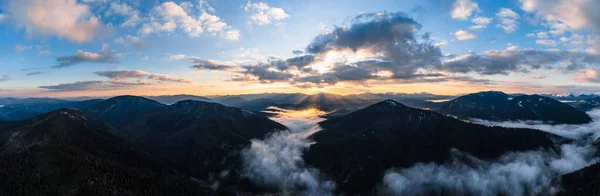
<point>561,15</point>
<point>528,5</point>
<point>232,35</point>
<point>176,57</point>
<point>540,35</point>
<point>125,10</point>
<point>277,160</point>
<point>20,48</point>
<point>131,41</point>
<point>481,22</point>
<point>68,19</point>
<point>169,16</point>
<point>441,44</point>
<point>508,20</point>
<point>464,35</point>
<point>44,52</point>
<point>262,14</point>
<point>462,9</point>
<point>546,42</point>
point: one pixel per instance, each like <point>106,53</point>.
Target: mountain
<point>357,149</point>
<point>570,96</point>
<point>199,138</point>
<point>256,104</point>
<point>67,152</point>
<point>498,106</point>
<point>11,101</point>
<point>171,99</point>
<point>231,100</point>
<point>122,109</point>
<point>585,181</point>
<point>29,109</point>
<point>586,105</point>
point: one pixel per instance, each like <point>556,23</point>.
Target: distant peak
<point>391,102</point>
<point>71,113</point>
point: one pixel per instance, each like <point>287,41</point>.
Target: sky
<point>72,48</point>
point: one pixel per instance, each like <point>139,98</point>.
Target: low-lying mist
<point>517,173</point>
<point>276,162</point>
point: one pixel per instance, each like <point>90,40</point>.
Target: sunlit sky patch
<point>69,48</point>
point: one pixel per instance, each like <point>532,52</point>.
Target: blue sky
<point>102,48</point>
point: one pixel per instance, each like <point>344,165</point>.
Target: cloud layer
<point>276,162</point>
<point>117,79</point>
<point>522,173</point>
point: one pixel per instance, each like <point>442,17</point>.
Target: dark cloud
<point>393,35</point>
<point>117,75</point>
<point>506,61</point>
<point>122,74</point>
<point>136,42</point>
<point>298,62</point>
<point>201,64</point>
<point>4,78</point>
<point>167,78</point>
<point>265,74</point>
<point>298,52</point>
<point>393,50</point>
<point>35,73</point>
<point>367,30</point>
<point>93,85</point>
<point>104,56</point>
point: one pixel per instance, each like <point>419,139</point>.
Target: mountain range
<point>498,106</point>
<point>357,149</point>
<point>168,146</point>
<point>67,152</point>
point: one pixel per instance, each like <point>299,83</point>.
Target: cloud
<point>35,73</point>
<point>132,41</point>
<point>481,22</point>
<point>120,8</point>
<point>119,75</point>
<point>262,14</point>
<point>508,20</point>
<point>117,79</point>
<point>513,60</point>
<point>538,76</point>
<point>266,74</point>
<point>384,36</point>
<point>562,15</point>
<point>168,17</point>
<point>546,42</point>
<point>232,35</point>
<point>276,162</point>
<point>68,19</point>
<point>462,35</point>
<point>104,56</point>
<point>462,9</point>
<point>541,35</point>
<point>92,86</point>
<point>516,173</point>
<point>20,48</point>
<point>122,74</point>
<point>201,64</point>
<point>44,52</point>
<point>176,57</point>
<point>4,78</point>
<point>167,78</point>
